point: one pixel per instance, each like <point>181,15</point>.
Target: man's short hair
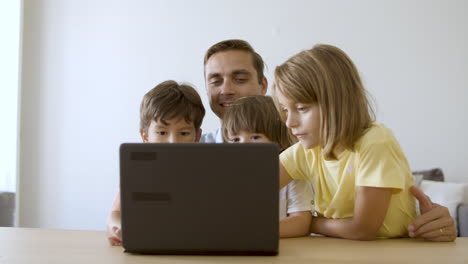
<point>238,44</point>
<point>170,100</point>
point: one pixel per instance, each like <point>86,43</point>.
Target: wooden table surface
<point>30,245</point>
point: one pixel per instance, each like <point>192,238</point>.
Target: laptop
<point>191,198</point>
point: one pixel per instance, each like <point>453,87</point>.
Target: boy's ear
<point>144,136</point>
<point>198,135</point>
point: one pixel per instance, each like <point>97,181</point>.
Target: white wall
<point>88,63</point>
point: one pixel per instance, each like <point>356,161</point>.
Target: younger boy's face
<point>177,130</point>
<point>248,137</point>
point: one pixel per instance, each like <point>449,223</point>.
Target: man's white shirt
<point>213,137</point>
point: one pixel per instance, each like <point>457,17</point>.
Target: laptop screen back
<point>199,198</point>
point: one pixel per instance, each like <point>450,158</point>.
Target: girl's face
<point>302,119</point>
<point>248,137</point>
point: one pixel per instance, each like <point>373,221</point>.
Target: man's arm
<point>299,197</point>
<point>434,223</point>
<point>296,224</point>
<point>370,208</point>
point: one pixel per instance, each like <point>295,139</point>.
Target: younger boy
<point>169,113</point>
<point>254,119</point>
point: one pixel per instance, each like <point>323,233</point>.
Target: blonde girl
<point>360,175</point>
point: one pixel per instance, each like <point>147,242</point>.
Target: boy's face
<point>230,75</point>
<point>248,137</point>
<point>177,130</point>
<point>302,119</point>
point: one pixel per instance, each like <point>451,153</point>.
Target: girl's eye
<point>301,108</point>
<point>161,133</point>
<point>234,140</point>
<point>185,133</point>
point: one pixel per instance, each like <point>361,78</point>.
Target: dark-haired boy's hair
<point>170,100</point>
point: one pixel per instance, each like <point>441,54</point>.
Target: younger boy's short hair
<point>258,114</point>
<point>169,100</point>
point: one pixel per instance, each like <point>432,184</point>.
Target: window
<point>10,17</point>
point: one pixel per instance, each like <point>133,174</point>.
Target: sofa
<point>452,195</point>
<point>7,209</point>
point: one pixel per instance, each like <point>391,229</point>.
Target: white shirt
<point>213,137</point>
<point>297,196</point>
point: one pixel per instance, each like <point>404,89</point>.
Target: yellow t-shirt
<point>377,161</point>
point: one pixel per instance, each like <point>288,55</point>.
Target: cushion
<point>418,178</point>
<point>448,194</point>
<point>7,208</point>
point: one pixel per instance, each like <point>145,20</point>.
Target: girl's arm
<point>370,209</point>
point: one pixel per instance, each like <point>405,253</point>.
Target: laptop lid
<point>199,198</point>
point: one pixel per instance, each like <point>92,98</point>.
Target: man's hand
<point>434,223</point>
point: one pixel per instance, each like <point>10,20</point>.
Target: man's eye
<point>215,82</point>
<point>161,133</point>
<point>241,80</point>
<point>185,133</point>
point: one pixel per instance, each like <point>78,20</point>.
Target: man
<point>233,69</point>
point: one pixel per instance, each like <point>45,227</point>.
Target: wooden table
<point>29,245</point>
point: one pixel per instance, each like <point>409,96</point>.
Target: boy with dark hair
<point>169,113</point>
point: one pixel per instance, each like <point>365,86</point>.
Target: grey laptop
<point>199,198</point>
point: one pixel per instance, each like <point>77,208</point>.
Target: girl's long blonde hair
<point>327,76</point>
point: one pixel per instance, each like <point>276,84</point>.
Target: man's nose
<point>227,87</point>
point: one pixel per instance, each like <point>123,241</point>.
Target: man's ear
<point>264,85</point>
<point>144,136</point>
<point>198,135</point>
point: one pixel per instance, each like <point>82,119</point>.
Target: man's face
<point>230,75</point>
<point>174,131</point>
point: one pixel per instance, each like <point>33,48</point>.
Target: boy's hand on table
<point>115,236</point>
<point>114,233</point>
